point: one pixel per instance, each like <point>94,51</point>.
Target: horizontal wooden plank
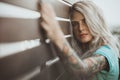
<point>65,26</point>
<point>12,29</point>
<point>29,4</point>
<point>62,10</point>
<point>12,11</point>
<point>12,48</point>
<point>21,63</point>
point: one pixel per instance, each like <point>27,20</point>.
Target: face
<point>80,28</point>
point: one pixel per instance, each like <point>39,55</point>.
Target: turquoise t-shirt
<point>112,59</point>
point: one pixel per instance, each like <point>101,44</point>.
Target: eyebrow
<point>79,20</point>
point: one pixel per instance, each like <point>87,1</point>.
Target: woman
<point>94,53</point>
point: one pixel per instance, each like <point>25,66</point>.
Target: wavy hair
<point>97,26</point>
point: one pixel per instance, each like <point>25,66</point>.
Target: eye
<point>84,21</point>
<point>75,23</point>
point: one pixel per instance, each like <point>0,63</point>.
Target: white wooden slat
<point>66,36</point>
<point>72,1</point>
<point>7,49</point>
<point>65,3</point>
<point>12,11</point>
<point>62,19</point>
<point>28,4</point>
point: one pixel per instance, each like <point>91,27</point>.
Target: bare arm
<point>51,26</point>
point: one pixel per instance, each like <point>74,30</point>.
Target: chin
<point>85,41</point>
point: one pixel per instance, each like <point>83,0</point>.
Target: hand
<point>49,24</point>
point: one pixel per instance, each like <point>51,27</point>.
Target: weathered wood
<point>30,64</point>
<point>29,4</point>
<point>12,29</point>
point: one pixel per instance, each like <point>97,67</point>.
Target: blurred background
<point>111,11</point>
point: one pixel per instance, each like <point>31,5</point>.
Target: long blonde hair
<point>97,26</point>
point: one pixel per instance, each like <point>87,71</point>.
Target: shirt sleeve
<point>112,59</point>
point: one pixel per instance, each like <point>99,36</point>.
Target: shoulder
<point>106,51</point>
<point>110,56</point>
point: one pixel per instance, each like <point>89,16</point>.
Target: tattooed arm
<point>88,65</point>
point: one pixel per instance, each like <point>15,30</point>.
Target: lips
<point>83,35</point>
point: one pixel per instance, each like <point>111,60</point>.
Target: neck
<point>84,46</point>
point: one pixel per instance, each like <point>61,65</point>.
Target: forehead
<point>77,16</point>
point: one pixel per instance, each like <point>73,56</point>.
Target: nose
<point>81,26</point>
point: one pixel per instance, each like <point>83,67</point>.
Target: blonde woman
<point>93,54</point>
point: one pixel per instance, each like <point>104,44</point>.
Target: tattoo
<point>89,65</point>
<point>72,57</point>
<point>96,63</point>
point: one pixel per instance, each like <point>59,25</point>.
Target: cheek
<point>75,33</point>
<point>89,34</point>
<point>90,37</point>
<point>86,39</point>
